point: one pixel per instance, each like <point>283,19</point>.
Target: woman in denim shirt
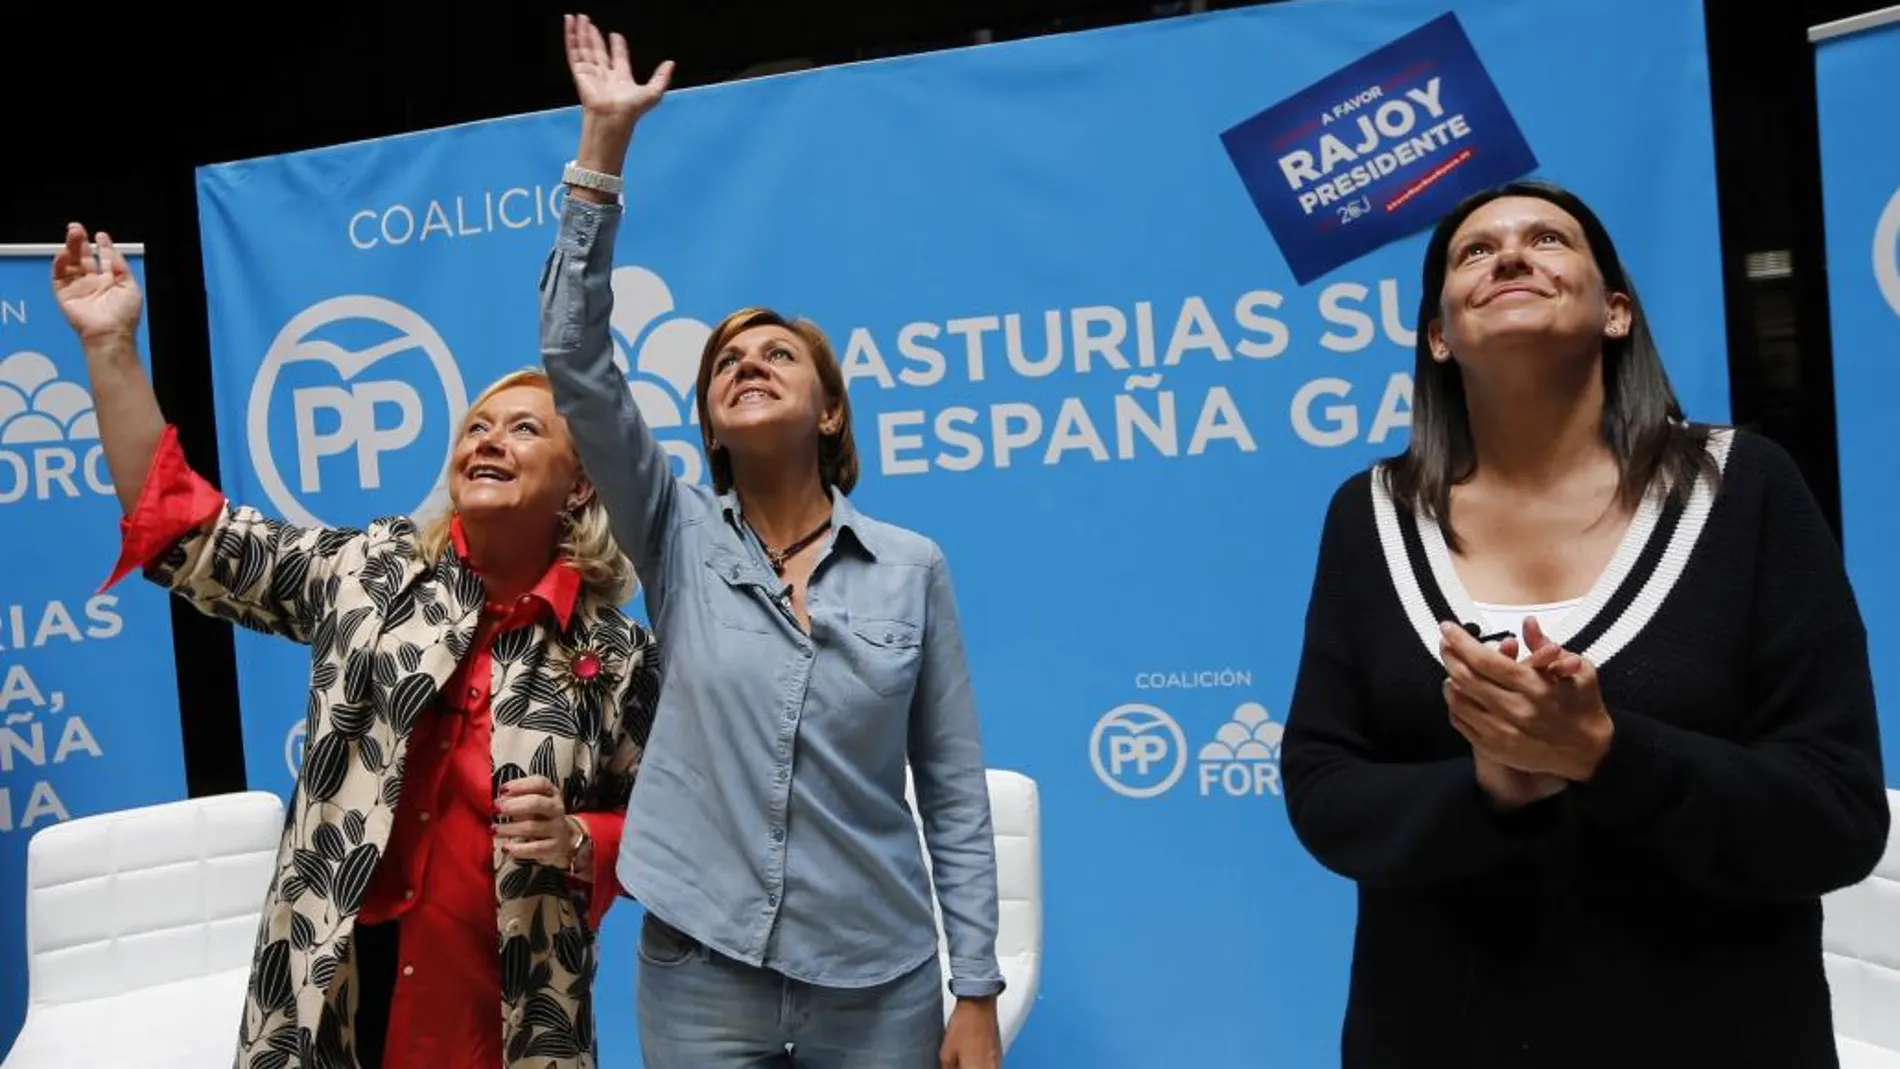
<point>810,652</point>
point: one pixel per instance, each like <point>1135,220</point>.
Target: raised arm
<point>228,561</point>
<point>629,468</point>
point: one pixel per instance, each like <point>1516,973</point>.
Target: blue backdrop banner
<point>1856,92</point>
<point>88,687</point>
<point>1080,359</point>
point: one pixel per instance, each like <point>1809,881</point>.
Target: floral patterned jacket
<point>386,629</point>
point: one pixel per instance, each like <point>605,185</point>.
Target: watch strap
<point>576,175</point>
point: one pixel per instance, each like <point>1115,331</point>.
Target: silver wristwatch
<point>576,175</point>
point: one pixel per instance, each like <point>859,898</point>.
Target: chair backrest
<point>1861,943</point>
<point>127,900</point>
<point>1016,819</point>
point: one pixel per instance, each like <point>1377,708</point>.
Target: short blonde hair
<point>587,541</point>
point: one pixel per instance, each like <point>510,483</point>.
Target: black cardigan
<point>1666,913</point>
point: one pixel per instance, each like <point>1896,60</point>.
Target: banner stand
<point>89,719</point>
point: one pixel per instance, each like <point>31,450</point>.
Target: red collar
<point>559,588</point>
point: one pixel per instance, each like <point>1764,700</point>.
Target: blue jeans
<point>701,1010</point>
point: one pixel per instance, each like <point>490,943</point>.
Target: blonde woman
<point>478,707</point>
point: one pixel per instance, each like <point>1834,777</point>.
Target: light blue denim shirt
<point>769,819</point>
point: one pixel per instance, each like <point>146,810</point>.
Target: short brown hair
<point>837,451</point>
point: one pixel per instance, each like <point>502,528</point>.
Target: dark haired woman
<point>1600,732</point>
<point>811,652</point>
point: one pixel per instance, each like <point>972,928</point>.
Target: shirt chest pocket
<point>735,596</point>
<point>886,654</point>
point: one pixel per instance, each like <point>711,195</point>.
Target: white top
<point>1495,618</point>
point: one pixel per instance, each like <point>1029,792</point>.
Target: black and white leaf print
<point>584,1020</point>
<point>507,773</point>
<point>271,977</point>
<point>352,622</point>
<point>270,1059</point>
<point>543,1013</point>
<point>458,642</point>
<point>315,871</point>
<point>409,698</point>
<point>331,541</point>
<point>303,934</point>
<point>558,1043</point>
<point>401,608</point>
<point>409,657</point>
<point>590,712</point>
<point>392,790</point>
<point>370,753</point>
<point>287,580</point>
<point>546,880</point>
<point>543,691</point>
<point>515,884</point>
<point>291,888</point>
<point>326,764</point>
<point>511,711</point>
<point>332,1052</point>
<point>386,673</point>
<point>353,877</point>
<point>574,795</point>
<point>557,720</point>
<point>513,645</point>
<point>323,644</point>
<point>570,948</point>
<point>328,841</point>
<point>538,936</point>
<point>516,962</point>
<point>466,584</point>
<point>434,614</point>
<point>352,718</point>
<point>354,825</point>
<point>543,765</point>
<point>323,675</point>
<point>284,1039</point>
<point>357,668</point>
<point>518,1046</point>
<point>541,976</point>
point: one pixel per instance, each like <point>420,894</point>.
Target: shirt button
<point>778,835</point>
<point>408,970</point>
<point>408,896</point>
<point>772,899</point>
<point>424,815</point>
<point>474,692</point>
<point>444,744</point>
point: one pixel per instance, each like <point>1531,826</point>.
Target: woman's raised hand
<point>603,75</point>
<point>94,287</point>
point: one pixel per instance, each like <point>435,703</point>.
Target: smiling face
<point>764,389</point>
<point>514,461</point>
<point>1519,274</point>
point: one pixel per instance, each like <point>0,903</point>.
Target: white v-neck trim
<point>1656,585</point>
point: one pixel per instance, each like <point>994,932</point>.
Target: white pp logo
<point>658,353</point>
<point>1137,750</point>
<point>359,408</point>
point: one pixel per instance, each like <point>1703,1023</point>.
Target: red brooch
<point>586,669</point>
<point>585,666</point>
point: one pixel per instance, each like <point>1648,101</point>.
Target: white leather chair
<point>1016,819</point>
<point>1860,937</point>
<point>139,930</point>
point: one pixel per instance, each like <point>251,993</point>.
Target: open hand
<point>1543,715</point>
<point>94,287</point>
<point>603,75</point>
<point>531,822</point>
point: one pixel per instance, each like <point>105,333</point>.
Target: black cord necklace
<point>778,557</point>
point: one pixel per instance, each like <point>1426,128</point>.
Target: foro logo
<point>659,354</point>
<point>337,413</point>
<point>49,436</point>
<point>1137,750</point>
<point>1887,253</point>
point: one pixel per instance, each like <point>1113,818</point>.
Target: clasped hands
<point>1536,725</point>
